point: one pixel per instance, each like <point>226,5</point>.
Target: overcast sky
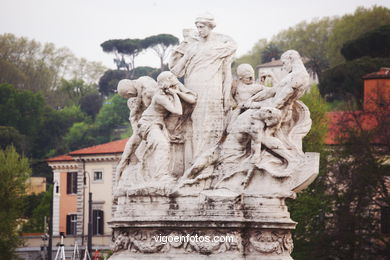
<point>82,25</point>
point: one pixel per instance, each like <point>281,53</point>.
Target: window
<point>385,220</point>
<point>71,183</point>
<point>97,175</point>
<point>71,224</point>
<point>98,222</point>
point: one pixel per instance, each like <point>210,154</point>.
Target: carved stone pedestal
<point>207,226</point>
<point>256,219</point>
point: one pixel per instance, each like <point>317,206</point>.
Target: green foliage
<point>109,81</point>
<point>114,113</point>
<point>359,170</point>
<point>21,109</point>
<point>14,171</point>
<point>37,213</point>
<point>160,44</point>
<point>130,47</point>
<point>30,65</point>
<point>123,46</point>
<point>345,80</point>
<point>253,57</point>
<point>375,43</point>
<point>75,89</point>
<point>145,71</point>
<point>322,39</point>
<point>80,135</point>
<point>91,103</point>
<point>314,141</point>
<point>57,122</point>
<point>11,136</point>
<point>272,51</point>
<point>351,26</point>
<point>310,40</point>
<point>312,204</point>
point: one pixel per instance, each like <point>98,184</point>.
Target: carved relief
<point>269,242</point>
<point>144,241</point>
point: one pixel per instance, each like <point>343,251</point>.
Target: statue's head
<point>269,115</point>
<point>127,88</point>
<point>246,73</point>
<point>289,58</point>
<point>166,79</point>
<point>205,23</point>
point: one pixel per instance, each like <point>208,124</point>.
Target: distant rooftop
<point>273,63</point>
<point>277,63</point>
<point>107,148</point>
<point>383,73</point>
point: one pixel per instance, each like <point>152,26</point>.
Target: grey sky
<point>81,25</point>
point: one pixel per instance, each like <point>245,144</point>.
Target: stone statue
<point>204,59</point>
<point>210,157</point>
<point>273,133</point>
<point>295,121</point>
<point>139,94</point>
<point>242,91</point>
<point>151,138</point>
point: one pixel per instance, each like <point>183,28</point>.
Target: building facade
<point>76,174</point>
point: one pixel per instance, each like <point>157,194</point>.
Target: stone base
<point>257,219</point>
<point>258,227</point>
<point>245,242</point>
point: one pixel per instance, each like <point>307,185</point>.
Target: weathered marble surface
<point>212,156</point>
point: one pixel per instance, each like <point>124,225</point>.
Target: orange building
<point>76,174</point>
<point>376,99</point>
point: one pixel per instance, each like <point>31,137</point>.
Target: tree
<point>11,136</point>
<point>54,127</point>
<point>109,81</point>
<point>36,208</point>
<point>114,113</point>
<point>375,44</point>
<point>91,103</point>
<point>21,109</point>
<point>270,52</point>
<point>75,89</point>
<point>14,171</point>
<point>310,40</point>
<point>30,65</point>
<point>161,45</point>
<point>253,57</point>
<point>80,135</point>
<point>344,81</point>
<point>358,188</point>
<point>312,204</point>
<point>351,26</point>
<point>129,47</point>
<point>38,213</point>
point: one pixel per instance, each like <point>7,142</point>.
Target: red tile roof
<point>60,158</point>
<point>107,148</point>
<point>383,73</point>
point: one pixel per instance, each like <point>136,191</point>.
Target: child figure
<point>243,91</point>
<point>246,88</point>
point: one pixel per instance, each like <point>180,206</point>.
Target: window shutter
<point>68,225</point>
<point>68,182</point>
<point>101,222</point>
<point>74,182</point>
